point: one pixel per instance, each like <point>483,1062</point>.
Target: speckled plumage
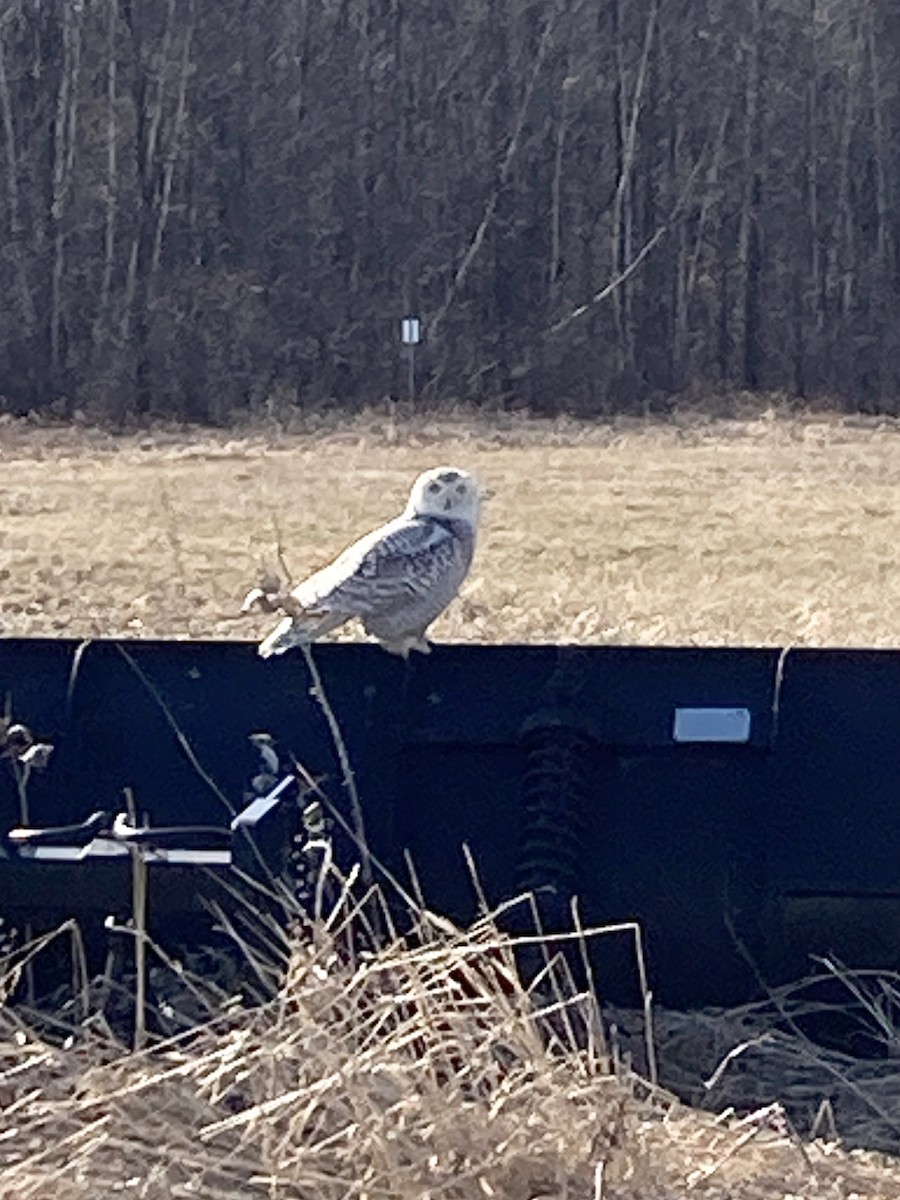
<point>397,579</point>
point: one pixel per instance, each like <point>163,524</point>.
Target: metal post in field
<point>411,335</point>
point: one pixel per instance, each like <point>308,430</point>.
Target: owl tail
<point>298,631</point>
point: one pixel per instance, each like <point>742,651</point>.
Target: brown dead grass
<point>424,1072</point>
<point>765,531</point>
<point>378,1079</point>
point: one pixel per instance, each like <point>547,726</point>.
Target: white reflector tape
<point>257,809</point>
<point>103,848</point>
<point>711,725</point>
<point>191,858</point>
<point>98,848</point>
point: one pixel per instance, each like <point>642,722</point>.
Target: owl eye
<point>460,489</point>
<point>433,488</point>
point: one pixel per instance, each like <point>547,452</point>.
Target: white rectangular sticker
<point>104,848</point>
<point>712,725</point>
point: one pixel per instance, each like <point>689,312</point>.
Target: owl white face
<point>446,492</point>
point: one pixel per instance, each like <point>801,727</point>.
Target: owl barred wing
<point>396,564</point>
<point>396,580</point>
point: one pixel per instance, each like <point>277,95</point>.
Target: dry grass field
<point>419,1073</point>
<point>422,1072</point>
<point>764,531</point>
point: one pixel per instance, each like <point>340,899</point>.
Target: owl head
<point>446,492</point>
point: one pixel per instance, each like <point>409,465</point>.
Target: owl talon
<point>404,649</point>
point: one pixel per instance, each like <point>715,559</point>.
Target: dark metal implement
<point>742,805</point>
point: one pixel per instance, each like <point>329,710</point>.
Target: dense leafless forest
<point>220,209</point>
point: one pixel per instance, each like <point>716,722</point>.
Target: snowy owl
<point>397,579</point>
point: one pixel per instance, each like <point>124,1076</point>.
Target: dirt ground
<point>770,531</point>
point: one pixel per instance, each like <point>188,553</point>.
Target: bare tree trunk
<point>882,197</point>
<point>628,112</point>
<point>104,316</point>
<point>620,111</point>
<point>845,258</point>
<point>149,118</point>
<point>172,152</point>
<point>812,342</point>
<point>16,227</point>
<point>882,325</point>
<point>710,196</point>
<point>723,325</point>
<point>838,264</point>
<point>63,162</point>
<point>562,126</point>
<point>680,309</point>
<point>749,233</point>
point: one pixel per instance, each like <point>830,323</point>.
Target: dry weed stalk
<point>424,1070</point>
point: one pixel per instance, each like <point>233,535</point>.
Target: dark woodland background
<point>212,209</point>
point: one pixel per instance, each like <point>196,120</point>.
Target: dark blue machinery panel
<point>741,804</point>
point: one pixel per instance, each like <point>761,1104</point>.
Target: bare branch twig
<point>318,691</point>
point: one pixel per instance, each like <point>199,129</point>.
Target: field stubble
<point>766,531</point>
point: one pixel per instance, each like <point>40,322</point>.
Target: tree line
<point>213,210</point>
